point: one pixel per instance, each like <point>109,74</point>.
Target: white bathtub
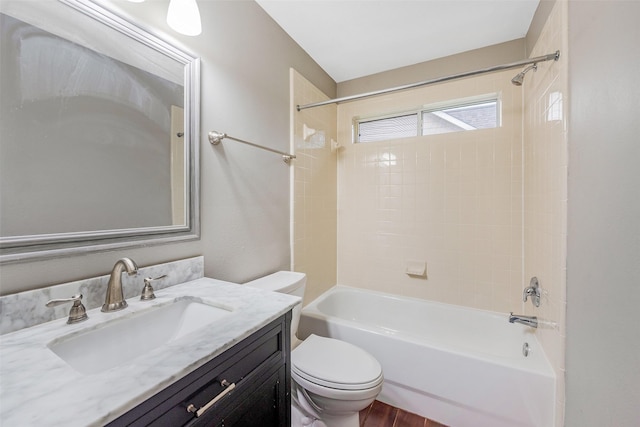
<point>455,365</point>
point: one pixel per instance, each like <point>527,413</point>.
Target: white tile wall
<point>452,200</point>
<point>314,188</point>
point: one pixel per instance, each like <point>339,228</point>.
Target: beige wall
<point>476,59</point>
<point>603,246</point>
<point>538,22</point>
<point>453,201</point>
<point>245,214</point>
<point>314,188</point>
<point>545,190</point>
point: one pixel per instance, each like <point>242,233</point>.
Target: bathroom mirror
<point>99,130</point>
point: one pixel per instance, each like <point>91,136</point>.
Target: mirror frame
<point>46,246</point>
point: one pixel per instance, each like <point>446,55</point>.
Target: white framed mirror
<point>99,132</point>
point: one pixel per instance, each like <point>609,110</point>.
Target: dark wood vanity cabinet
<point>246,386</point>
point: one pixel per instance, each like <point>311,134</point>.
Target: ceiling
<point>355,38</point>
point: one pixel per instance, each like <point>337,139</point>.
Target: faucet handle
<point>147,291</point>
<point>532,290</point>
<point>77,313</point>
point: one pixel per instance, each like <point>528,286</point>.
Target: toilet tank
<point>285,282</point>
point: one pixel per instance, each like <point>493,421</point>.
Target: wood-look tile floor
<point>380,414</point>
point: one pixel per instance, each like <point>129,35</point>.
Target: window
<point>388,128</point>
<point>452,117</point>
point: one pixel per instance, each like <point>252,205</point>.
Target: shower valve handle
<point>532,290</point>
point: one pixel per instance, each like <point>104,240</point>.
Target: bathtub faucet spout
<point>531,321</point>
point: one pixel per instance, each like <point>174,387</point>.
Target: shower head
<point>519,78</point>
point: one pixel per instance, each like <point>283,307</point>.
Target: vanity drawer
<point>229,379</point>
<point>264,406</point>
<point>254,360</point>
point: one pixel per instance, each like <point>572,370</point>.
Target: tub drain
<point>525,349</point>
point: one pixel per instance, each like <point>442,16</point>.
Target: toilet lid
<point>336,364</point>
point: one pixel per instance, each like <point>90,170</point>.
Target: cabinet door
<point>265,406</point>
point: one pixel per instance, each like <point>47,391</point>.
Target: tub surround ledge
<point>38,388</point>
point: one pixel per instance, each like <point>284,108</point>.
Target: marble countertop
<point>37,388</point>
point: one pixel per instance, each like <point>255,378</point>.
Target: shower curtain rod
<point>216,137</point>
<point>551,56</point>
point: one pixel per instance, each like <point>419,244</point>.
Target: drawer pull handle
<point>224,383</point>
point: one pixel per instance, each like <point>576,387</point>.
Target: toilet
<point>332,380</point>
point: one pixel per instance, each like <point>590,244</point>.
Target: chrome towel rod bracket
<point>216,138</point>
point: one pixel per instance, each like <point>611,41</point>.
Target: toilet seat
<point>335,364</point>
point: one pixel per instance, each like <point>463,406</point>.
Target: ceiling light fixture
<point>184,17</point>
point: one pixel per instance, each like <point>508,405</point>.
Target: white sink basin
<point>121,340</point>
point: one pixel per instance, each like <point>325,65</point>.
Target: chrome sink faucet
<point>114,299</point>
<point>531,321</point>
